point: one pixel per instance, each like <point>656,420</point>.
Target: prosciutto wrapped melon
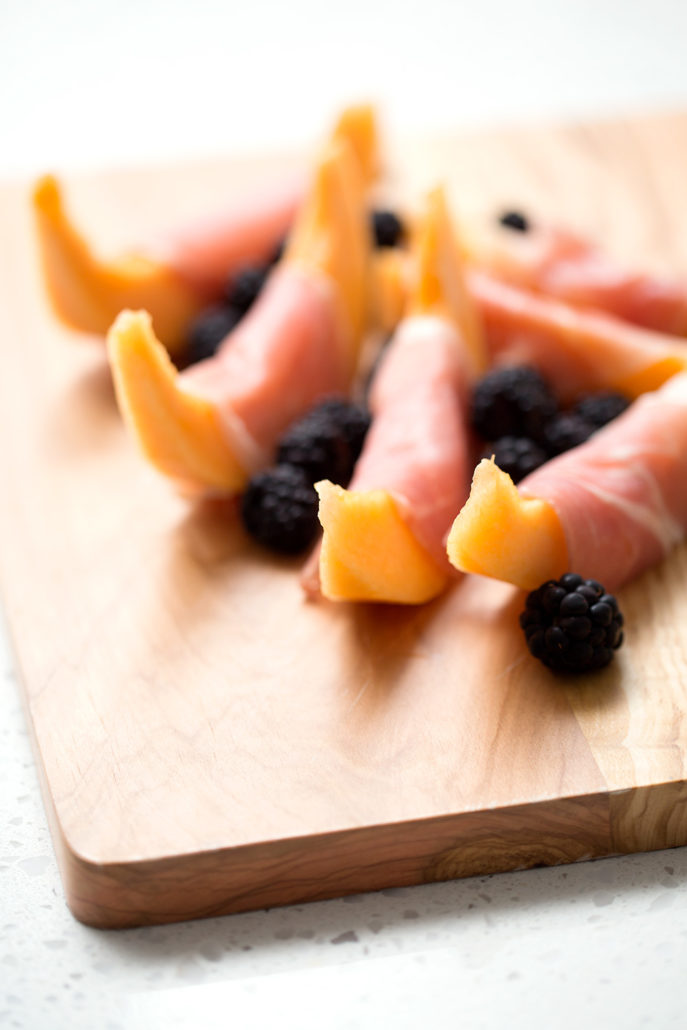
<point>383,537</point>
<point>176,277</point>
<point>577,349</point>
<point>210,427</point>
<point>609,509</point>
<point>559,263</point>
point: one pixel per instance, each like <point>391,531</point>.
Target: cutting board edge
<point>302,869</point>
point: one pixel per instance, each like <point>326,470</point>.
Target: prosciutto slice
<point>621,497</point>
<point>578,350</point>
<point>417,445</point>
<point>561,264</point>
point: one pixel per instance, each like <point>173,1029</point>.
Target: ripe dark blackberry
<point>242,291</point>
<point>572,624</point>
<point>514,220</point>
<point>208,330</point>
<point>326,443</point>
<point>517,455</point>
<point>567,430</point>
<point>601,408</point>
<point>279,510</point>
<point>512,401</point>
<point>387,228</point>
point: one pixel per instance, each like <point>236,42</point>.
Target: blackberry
<point>327,442</point>
<point>242,291</point>
<point>572,624</point>
<point>517,455</point>
<point>387,228</point>
<point>567,430</point>
<point>279,510</point>
<point>514,220</point>
<point>512,401</point>
<point>601,408</point>
<point>208,330</point>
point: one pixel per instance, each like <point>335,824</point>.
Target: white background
<point>95,84</point>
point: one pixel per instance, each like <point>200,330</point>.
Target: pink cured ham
<point>578,350</point>
<point>284,356</point>
<point>621,498</point>
<point>212,250</point>
<point>562,264</point>
<point>417,445</point>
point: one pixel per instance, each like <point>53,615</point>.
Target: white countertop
<point>597,944</point>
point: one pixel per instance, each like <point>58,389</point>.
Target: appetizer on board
<point>609,509</point>
<point>384,536</point>
<point>210,427</point>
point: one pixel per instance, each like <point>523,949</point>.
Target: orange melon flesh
<point>357,125</point>
<point>179,433</point>
<point>388,287</point>
<point>368,553</point>
<point>332,237</point>
<point>439,286</point>
<point>501,534</point>
<point>87,293</point>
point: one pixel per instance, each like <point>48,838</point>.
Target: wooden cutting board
<point>208,741</point>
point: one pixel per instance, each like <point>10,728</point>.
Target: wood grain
<point>210,742</point>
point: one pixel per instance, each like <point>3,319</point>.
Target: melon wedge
<point>501,534</point>
<point>87,293</point>
<point>179,433</point>
<point>438,284</point>
<point>353,565</point>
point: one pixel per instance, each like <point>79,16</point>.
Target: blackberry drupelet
<point>572,624</point>
<point>242,291</point>
<point>387,228</point>
<point>514,220</point>
<point>517,455</point>
<point>327,442</point>
<point>208,330</point>
<point>567,430</point>
<point>512,401</point>
<point>279,510</point>
<point>601,408</point>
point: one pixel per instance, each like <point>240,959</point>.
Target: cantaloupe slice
<point>357,125</point>
<point>330,239</point>
<point>370,548</point>
<point>87,293</point>
<point>501,534</point>
<point>438,286</point>
<point>389,273</point>
<point>181,434</point>
<point>309,318</point>
<point>368,553</point>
